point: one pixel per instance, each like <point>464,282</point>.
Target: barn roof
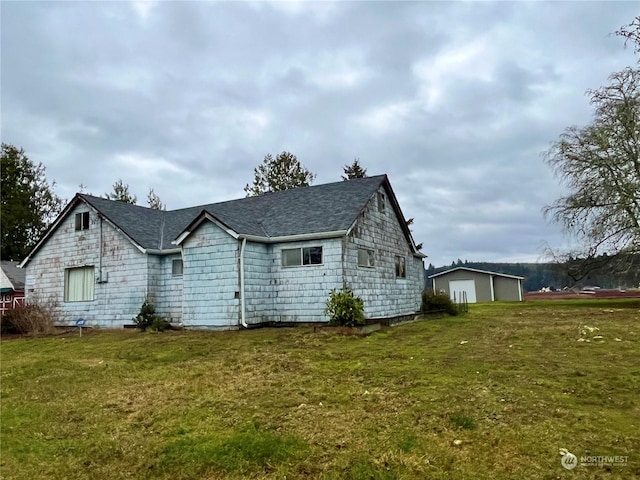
<point>498,274</point>
<point>12,277</point>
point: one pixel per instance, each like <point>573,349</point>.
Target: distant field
<point>494,394</point>
<point>598,294</point>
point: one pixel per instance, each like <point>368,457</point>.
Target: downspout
<point>493,293</point>
<point>433,285</point>
<point>344,263</point>
<point>100,258</point>
<point>519,290</point>
<point>242,303</point>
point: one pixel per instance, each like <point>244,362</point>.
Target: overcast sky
<point>454,101</point>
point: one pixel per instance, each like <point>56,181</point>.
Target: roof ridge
<point>287,191</point>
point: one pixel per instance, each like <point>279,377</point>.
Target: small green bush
<point>437,302</point>
<point>344,308</point>
<point>147,316</point>
<point>160,325</point>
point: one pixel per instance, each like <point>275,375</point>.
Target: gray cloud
<point>455,101</point>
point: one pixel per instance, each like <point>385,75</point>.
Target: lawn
<point>492,394</point>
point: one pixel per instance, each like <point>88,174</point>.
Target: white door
<point>456,287</point>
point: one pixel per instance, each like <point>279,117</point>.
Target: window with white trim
<point>82,221</point>
<point>79,284</point>
<point>366,258</point>
<point>401,267</point>
<point>177,267</point>
<point>293,257</point>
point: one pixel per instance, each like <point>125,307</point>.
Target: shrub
<point>437,302</point>
<point>344,308</point>
<point>160,325</point>
<point>32,319</point>
<point>146,317</point>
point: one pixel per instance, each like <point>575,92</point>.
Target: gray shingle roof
<point>475,270</point>
<point>15,275</point>
<point>142,224</point>
<point>316,209</point>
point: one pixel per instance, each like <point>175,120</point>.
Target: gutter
<point>242,302</point>
<point>284,238</point>
<point>157,251</point>
<point>294,238</point>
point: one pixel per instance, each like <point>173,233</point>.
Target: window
<point>176,268</point>
<point>82,221</point>
<point>293,257</point>
<point>312,256</point>
<point>381,202</point>
<point>401,267</point>
<point>78,284</point>
<point>366,258</point>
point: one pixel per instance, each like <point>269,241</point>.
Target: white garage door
<point>458,286</point>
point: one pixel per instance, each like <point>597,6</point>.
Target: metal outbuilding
<point>478,285</point>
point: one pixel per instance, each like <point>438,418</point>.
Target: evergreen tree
<point>280,173</point>
<point>121,193</point>
<point>154,202</point>
<point>354,170</point>
<point>28,203</point>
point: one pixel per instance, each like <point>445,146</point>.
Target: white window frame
<point>174,263</point>
<point>366,258</point>
<point>82,221</point>
<point>401,266</point>
<point>302,253</point>
<point>79,284</point>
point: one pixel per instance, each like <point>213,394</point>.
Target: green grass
<point>491,394</point>
<point>463,421</point>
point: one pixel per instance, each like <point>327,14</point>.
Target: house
<point>478,285</point>
<point>11,286</point>
<point>256,260</point>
